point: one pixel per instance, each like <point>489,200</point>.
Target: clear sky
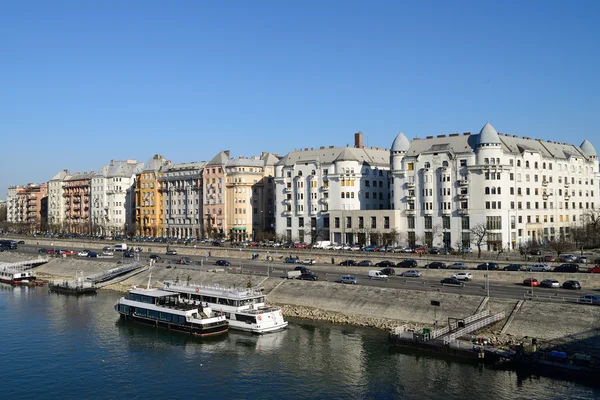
<point>84,82</point>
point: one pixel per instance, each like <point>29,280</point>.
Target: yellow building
<point>149,204</point>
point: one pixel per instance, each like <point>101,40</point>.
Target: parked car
<point>513,267</point>
<point>452,281</point>
<point>538,268</point>
<point>385,263</point>
<point>407,263</point>
<point>550,283</point>
<point>223,263</point>
<point>463,276</point>
<point>436,265</point>
<point>155,257</point>
<point>531,282</point>
<point>488,266</point>
<point>570,267</point>
<point>411,273</point>
<point>351,279</point>
<point>171,252</point>
<point>303,269</point>
<point>458,265</point>
<point>308,277</point>
<point>574,285</point>
<point>388,271</point>
<point>590,299</point>
<point>348,263</point>
<point>365,263</point>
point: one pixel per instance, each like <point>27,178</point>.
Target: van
<point>348,279</point>
<point>374,274</point>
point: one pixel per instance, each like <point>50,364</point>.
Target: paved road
<point>512,291</point>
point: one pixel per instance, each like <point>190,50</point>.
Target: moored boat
<point>245,309</point>
<point>168,310</point>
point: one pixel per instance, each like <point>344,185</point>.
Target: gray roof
<point>370,156</point>
<point>401,143</point>
<point>488,135</point>
<point>588,149</point>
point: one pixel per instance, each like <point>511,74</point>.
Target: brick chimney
<point>358,140</point>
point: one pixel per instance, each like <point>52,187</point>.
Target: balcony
<point>463,211</point>
<point>409,185</point>
<point>463,182</point>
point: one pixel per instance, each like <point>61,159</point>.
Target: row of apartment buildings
<point>430,191</point>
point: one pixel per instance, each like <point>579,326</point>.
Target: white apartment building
<point>113,197</point>
<point>312,182</point>
<point>181,186</point>
<point>521,189</point>
<point>56,201</point>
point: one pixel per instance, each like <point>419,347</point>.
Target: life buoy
<point>259,318</point>
<point>197,289</point>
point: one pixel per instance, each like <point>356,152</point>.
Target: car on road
<point>308,261</point>
<point>488,266</point>
<point>513,267</point>
<point>550,283</point>
<point>458,265</point>
<point>171,252</point>
<point>573,285</point>
<point>538,268</point>
<point>385,264</point>
<point>291,260</point>
<point>155,257</point>
<point>531,282</point>
<point>569,267</point>
<point>365,263</point>
<point>463,276</point>
<point>411,273</point>
<point>348,263</point>
<point>452,281</point>
<point>407,263</point>
<point>303,269</point>
<point>83,253</point>
<point>308,277</point>
<point>223,263</point>
<point>388,271</point>
<point>436,265</point>
<point>185,261</point>
<point>590,299</point>
<point>351,279</point>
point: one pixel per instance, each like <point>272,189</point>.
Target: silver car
<point>411,273</point>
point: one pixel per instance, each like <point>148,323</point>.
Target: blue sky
<point>84,82</point>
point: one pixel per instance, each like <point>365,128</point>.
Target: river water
<point>64,347</point>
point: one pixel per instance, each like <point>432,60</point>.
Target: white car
<point>83,253</point>
<point>411,273</point>
<point>538,268</point>
<point>463,276</point>
<point>309,261</point>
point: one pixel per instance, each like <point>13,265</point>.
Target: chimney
<point>358,140</point>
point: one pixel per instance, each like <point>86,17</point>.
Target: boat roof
<point>152,292</point>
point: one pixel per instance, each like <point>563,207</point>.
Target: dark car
<point>171,252</point>
<point>436,265</point>
<point>388,271</point>
<point>155,257</point>
<point>223,263</point>
<point>385,264</point>
<point>365,263</point>
<point>451,281</point>
<point>569,267</point>
<point>513,267</point>
<point>574,285</point>
<point>308,277</point>
<point>128,254</point>
<point>488,266</point>
<point>302,269</point>
<point>348,263</point>
<point>407,263</point>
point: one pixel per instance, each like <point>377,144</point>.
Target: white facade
<point>521,189</point>
<point>56,201</point>
<point>310,183</point>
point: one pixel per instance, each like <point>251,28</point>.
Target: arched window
<point>487,190</point>
<point>526,164</point>
<point>498,191</point>
<point>518,163</point>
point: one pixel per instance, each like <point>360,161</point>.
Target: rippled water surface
<point>57,346</point>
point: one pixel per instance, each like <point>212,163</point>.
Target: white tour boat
<point>245,309</point>
<point>167,309</point>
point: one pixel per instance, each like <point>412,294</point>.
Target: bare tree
<point>560,245</point>
<point>479,233</point>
